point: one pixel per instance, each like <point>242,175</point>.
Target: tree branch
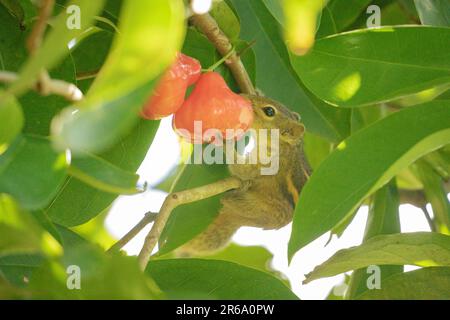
<point>208,26</point>
<point>46,86</point>
<point>35,39</point>
<point>176,199</point>
<point>148,218</point>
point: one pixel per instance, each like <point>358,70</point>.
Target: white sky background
<point>128,210</point>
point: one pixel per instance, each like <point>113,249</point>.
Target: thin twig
<point>208,26</point>
<point>148,218</point>
<point>52,86</point>
<point>87,75</point>
<point>429,219</point>
<point>176,199</point>
<point>35,39</point>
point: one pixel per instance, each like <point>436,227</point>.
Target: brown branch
<point>208,26</point>
<point>35,39</point>
<point>176,199</point>
<point>148,218</point>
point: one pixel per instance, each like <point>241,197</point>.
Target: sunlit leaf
<point>11,116</point>
<point>275,77</point>
<point>424,249</point>
<point>103,175</point>
<point>373,156</point>
<point>423,284</point>
<point>33,183</point>
<point>374,65</point>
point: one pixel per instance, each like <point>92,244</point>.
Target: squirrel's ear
<point>299,130</point>
<point>297,116</point>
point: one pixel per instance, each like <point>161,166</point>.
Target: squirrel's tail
<point>214,238</point>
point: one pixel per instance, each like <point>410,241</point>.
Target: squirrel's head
<point>270,114</point>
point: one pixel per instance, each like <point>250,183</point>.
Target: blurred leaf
<point>103,175</point>
<point>98,274</point>
<point>301,20</point>
<point>54,46</point>
<point>351,69</point>
<point>21,233</point>
<point>434,12</point>
<point>424,249</point>
<point>216,279</point>
<point>436,195</point>
<point>17,269</point>
<point>189,220</point>
<point>336,16</point>
<point>149,31</point>
<point>38,110</point>
<point>423,284</point>
<point>14,8</point>
<point>89,56</point>
<point>77,202</point>
<point>373,155</point>
<point>12,120</point>
<point>316,149</point>
<point>383,218</point>
<point>31,171</point>
<point>276,9</point>
<point>275,77</point>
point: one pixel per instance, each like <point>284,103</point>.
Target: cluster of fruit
<point>211,102</point>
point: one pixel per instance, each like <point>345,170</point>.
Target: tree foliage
<point>374,102</point>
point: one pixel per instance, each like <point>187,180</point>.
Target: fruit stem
<point>221,61</point>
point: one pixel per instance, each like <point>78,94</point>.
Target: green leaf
<point>38,110</point>
<point>436,195</point>
<point>11,116</point>
<point>276,9</point>
<point>434,12</point>
<point>216,279</point>
<point>99,277</point>
<point>373,155</point>
<point>20,231</point>
<point>189,220</point>
<point>383,218</point>
<point>422,284</point>
<point>337,17</point>
<point>89,55</point>
<point>255,257</point>
<point>103,175</point>
<point>17,269</point>
<point>375,65</point>
<point>149,31</point>
<point>78,202</point>
<point>31,171</point>
<point>14,8</point>
<point>54,46</point>
<point>274,74</point>
<point>226,19</point>
<point>423,249</point>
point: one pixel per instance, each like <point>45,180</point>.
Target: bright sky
<point>128,210</point>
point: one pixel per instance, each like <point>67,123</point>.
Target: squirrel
<point>265,201</point>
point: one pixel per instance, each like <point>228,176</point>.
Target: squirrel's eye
<point>269,111</point>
